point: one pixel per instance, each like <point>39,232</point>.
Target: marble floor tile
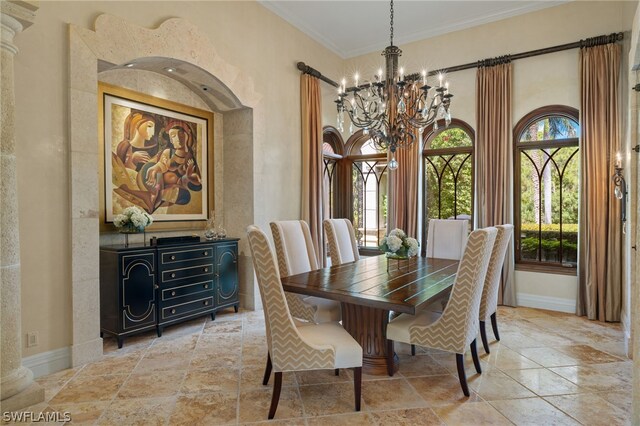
<point>591,409</point>
<point>89,388</point>
<point>420,365</point>
<point>599,377</point>
<point>355,419</point>
<point>588,355</point>
<point>317,377</point>
<point>407,417</point>
<point>152,385</point>
<point>543,382</point>
<point>473,413</point>
<point>82,412</point>
<point>136,412</point>
<point>532,411</point>
<point>441,390</point>
<point>254,405</point>
<point>218,408</point>
<point>495,385</point>
<point>213,380</point>
<point>205,372</point>
<point>327,399</point>
<point>390,394</point>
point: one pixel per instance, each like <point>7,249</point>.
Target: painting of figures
<point>156,156</point>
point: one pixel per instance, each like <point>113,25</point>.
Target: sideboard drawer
<point>173,275</point>
<point>168,294</point>
<point>188,308</point>
<point>170,256</point>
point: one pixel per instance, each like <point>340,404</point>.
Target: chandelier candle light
<point>393,106</point>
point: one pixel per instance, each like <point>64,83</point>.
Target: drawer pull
<point>206,269</point>
<point>173,293</point>
<point>206,286</point>
<point>173,311</point>
<point>173,275</point>
<point>206,253</point>
<point>156,286</point>
<point>206,303</point>
<point>173,258</point>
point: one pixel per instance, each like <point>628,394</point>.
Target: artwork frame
<point>155,154</point>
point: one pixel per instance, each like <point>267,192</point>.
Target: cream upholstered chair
<point>447,238</point>
<point>489,301</point>
<point>296,255</point>
<point>297,347</point>
<point>342,241</point>
<point>457,327</point>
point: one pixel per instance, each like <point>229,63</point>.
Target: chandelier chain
<point>391,23</point>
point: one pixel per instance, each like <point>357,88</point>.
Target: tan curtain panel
<point>403,200</point>
<point>600,268</point>
<point>494,161</point>
<point>311,110</point>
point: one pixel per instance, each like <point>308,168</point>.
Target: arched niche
<point>175,43</point>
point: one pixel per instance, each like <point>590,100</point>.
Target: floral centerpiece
<point>398,246</point>
<point>132,220</point>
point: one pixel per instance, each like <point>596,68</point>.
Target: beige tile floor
<point>549,368</point>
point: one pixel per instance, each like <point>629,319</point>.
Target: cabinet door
<point>226,274</point>
<point>137,292</point>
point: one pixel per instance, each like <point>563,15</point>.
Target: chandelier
<point>393,106</point>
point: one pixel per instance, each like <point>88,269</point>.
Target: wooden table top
<point>407,285</point>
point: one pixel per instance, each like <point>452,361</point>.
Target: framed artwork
<point>156,156</point>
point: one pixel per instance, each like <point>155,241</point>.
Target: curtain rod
<point>589,42</point>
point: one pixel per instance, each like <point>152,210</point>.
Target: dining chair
<point>343,246</point>
<point>489,301</point>
<point>295,252</point>
<point>457,326</point>
<point>296,347</point>
<point>447,238</point>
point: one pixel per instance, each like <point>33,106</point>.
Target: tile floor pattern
<point>549,368</point>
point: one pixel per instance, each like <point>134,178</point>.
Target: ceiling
<point>352,28</point>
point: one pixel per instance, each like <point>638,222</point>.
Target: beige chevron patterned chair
<point>297,347</point>
<point>457,327</point>
<point>296,255</point>
<point>447,238</point>
<point>489,301</point>
<point>342,241</point>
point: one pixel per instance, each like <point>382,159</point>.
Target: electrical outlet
<point>32,339</point>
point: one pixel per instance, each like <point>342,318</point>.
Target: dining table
<point>372,288</point>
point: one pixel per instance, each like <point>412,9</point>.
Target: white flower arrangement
<point>399,245</point>
<point>132,219</point>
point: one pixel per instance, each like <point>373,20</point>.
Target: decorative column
<point>17,388</point>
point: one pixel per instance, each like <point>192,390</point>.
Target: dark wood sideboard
<point>149,287</point>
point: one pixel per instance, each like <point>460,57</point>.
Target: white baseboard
<point>48,362</point>
<point>545,302</point>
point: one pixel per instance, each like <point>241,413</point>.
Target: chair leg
<point>357,385</point>
<point>276,395</point>
<point>267,370</point>
<point>483,335</point>
<point>390,357</point>
<point>474,355</point>
<point>494,324</point>
<point>461,374</point>
<point>337,372</point>
<point>413,350</point>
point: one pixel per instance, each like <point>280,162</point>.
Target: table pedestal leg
<point>368,326</point>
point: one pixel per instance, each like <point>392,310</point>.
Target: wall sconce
<point>620,188</point>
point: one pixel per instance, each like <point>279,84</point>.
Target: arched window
<point>332,153</point>
<point>546,188</point>
<point>368,189</point>
<point>448,173</point>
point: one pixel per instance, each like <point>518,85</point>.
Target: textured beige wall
<point>244,34</point>
<point>538,81</point>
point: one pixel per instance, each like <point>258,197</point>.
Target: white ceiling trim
<point>449,28</point>
<point>303,26</point>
